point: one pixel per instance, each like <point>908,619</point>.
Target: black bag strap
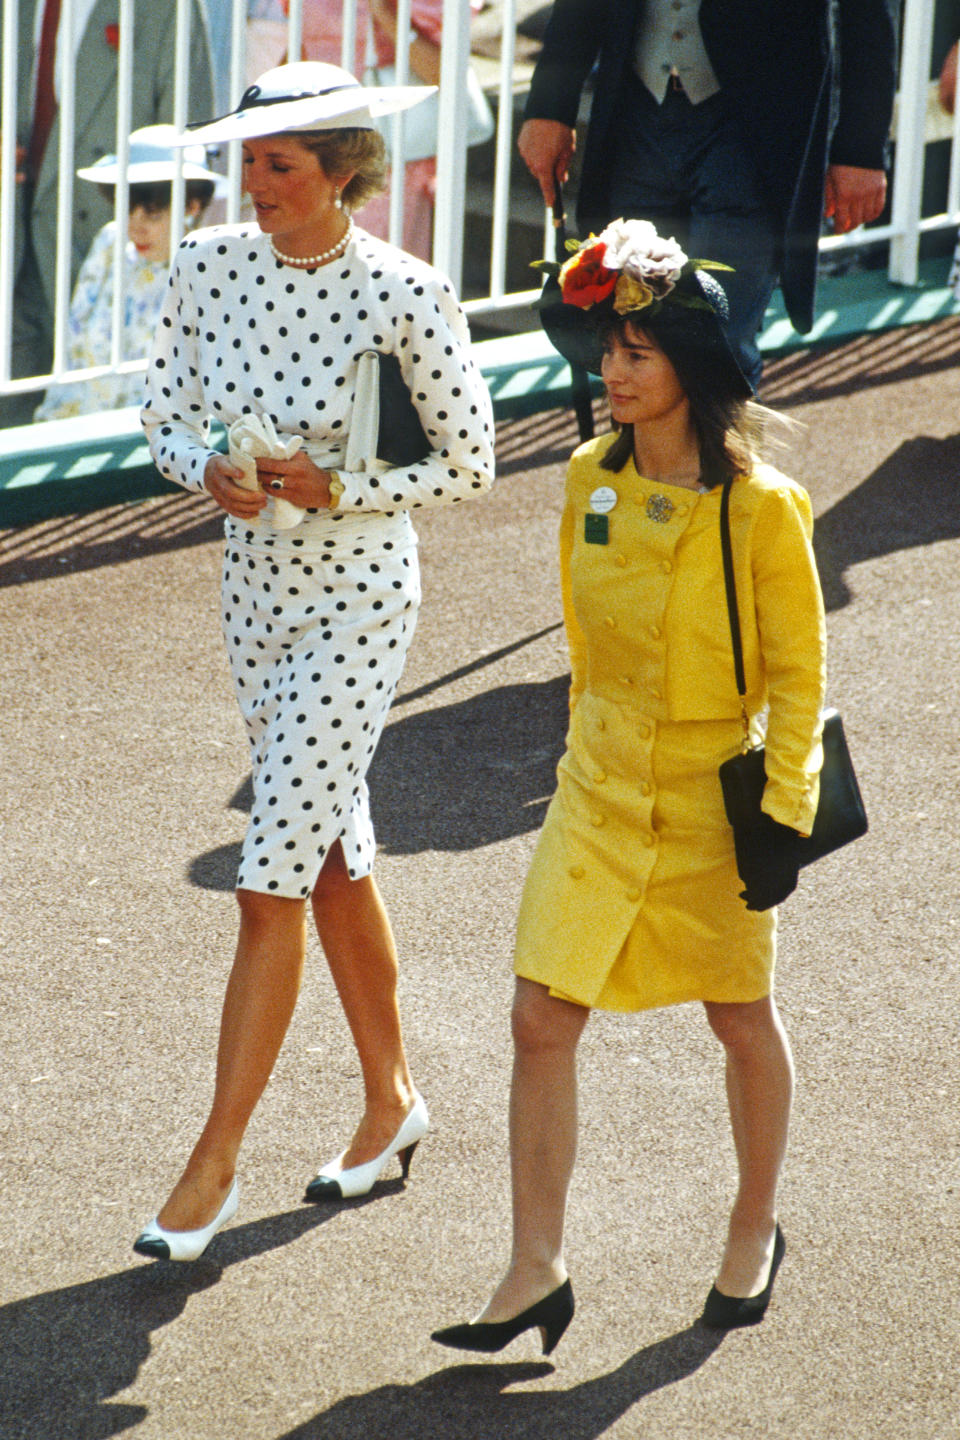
<point>730,585</point>
<point>580,393</point>
<point>733,612</point>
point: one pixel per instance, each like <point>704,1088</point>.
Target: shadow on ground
<point>71,544</point>
<point>63,1354</point>
<point>828,372</point>
<point>454,778</point>
<point>912,499</point>
<point>469,1401</point>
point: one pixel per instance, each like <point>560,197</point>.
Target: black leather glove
<point>767,862</point>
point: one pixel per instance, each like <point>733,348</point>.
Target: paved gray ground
<point>125,795</point>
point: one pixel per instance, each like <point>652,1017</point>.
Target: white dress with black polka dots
<point>317,619</point>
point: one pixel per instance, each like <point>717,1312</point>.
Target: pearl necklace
<point>308,262</point>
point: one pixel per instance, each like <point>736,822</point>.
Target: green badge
<point>596,529</point>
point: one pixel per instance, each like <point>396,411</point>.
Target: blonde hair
<point>340,151</point>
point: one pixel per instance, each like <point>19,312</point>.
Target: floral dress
<point>90,329</point>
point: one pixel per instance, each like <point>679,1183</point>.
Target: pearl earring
<point>338,203</point>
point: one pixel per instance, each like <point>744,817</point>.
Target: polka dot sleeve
<point>432,341</point>
<point>175,416</point>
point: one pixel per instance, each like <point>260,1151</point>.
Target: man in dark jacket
<point>721,122</point>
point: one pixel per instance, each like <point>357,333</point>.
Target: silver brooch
<point>660,508</point>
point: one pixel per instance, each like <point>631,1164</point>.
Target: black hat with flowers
<point>629,272</point>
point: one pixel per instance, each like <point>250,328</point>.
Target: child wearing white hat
<point>146,271</point>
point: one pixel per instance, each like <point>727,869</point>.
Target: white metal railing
<point>904,230</point>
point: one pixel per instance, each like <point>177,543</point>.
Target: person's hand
<point>767,862</point>
<point>853,196</point>
<point>547,148</point>
<point>220,479</point>
<point>297,480</point>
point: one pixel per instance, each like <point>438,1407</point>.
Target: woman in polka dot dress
<point>271,323</point>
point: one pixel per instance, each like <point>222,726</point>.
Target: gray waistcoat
<point>668,42</point>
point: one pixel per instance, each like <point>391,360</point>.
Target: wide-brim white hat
<point>306,95</point>
<point>153,158</point>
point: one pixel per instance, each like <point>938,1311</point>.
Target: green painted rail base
<point>72,466</point>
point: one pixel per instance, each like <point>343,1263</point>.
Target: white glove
<point>255,435</point>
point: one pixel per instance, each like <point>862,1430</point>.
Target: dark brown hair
<point>157,194</point>
<point>340,151</point>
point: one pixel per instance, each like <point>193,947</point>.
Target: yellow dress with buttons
<point>632,899</point>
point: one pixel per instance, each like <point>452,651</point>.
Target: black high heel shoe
<point>728,1312</point>
<point>551,1315</point>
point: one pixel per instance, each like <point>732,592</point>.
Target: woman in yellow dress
<point>637,896</point>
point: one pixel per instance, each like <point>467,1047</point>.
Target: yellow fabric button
<point>601,724</point>
<point>643,731</point>
<point>576,872</point>
<point>610,623</point>
<point>597,819</point>
<point>599,777</point>
<point>666,566</point>
<point>655,631</point>
<point>683,509</point>
<point>655,693</point>
<point>645,788</point>
<point>633,896</point>
<point>620,560</point>
<point>647,839</point>
<point>626,679</point>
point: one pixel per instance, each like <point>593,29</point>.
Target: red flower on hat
<point>584,279</point>
<point>111,33</point>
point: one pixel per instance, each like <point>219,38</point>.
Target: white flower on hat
<point>635,249</point>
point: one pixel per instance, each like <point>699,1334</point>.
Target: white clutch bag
<point>365,420</point>
<point>255,435</point>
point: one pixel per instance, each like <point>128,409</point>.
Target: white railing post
<point>452,141</point>
<point>66,100</point>
<point>238,75</point>
<point>8,182</point>
<point>348,37</point>
<point>504,155</point>
<point>910,141</point>
<point>295,30</point>
<point>181,98</point>
<point>122,191</point>
<point>398,169</point>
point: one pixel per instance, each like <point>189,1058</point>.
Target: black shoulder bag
<point>840,813</point>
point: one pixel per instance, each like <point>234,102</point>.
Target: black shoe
<point>727,1312</point>
<point>552,1314</point>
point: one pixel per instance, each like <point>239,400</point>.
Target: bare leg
<point>260,999</point>
<point>543,1144</point>
<point>358,943</point>
<point>759,1092</point>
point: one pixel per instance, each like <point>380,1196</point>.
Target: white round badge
<point>603,499</point>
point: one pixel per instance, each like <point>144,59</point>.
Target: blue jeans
<point>685,168</point>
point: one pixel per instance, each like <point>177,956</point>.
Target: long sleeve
<point>867,63</point>
<point>453,402</point>
<point>576,640</point>
<point>792,633</point>
<point>175,415</point>
<point>571,44</point>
